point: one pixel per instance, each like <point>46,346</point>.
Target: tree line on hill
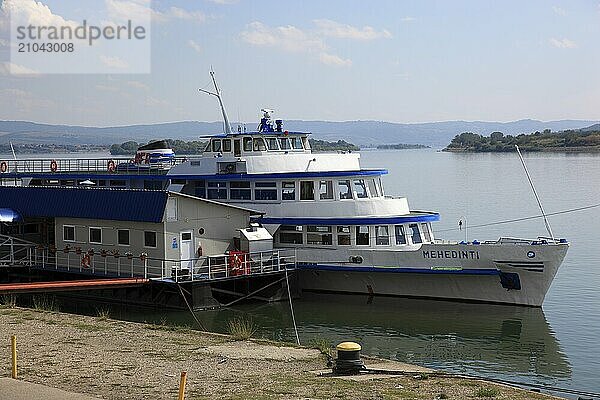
<point>546,140</point>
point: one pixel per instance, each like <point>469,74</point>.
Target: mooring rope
<point>509,221</point>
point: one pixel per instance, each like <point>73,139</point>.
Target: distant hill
<point>433,134</point>
<point>593,128</point>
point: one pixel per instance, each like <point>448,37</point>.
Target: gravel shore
<point>112,359</point>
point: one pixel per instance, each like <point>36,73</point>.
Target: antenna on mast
<point>217,94</point>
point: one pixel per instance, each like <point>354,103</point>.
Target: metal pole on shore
<point>182,382</point>
<point>13,343</point>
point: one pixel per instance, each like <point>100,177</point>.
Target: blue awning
<point>9,215</point>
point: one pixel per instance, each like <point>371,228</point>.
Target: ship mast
<point>217,94</point>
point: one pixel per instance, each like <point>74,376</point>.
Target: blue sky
<point>400,61</point>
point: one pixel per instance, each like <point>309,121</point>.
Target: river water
<point>557,345</point>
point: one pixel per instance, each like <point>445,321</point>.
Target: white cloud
<point>3,43</point>
<point>332,59</point>
<point>288,38</point>
<point>113,62</point>
<point>408,19</point>
<point>106,88</point>
<point>224,2</point>
<point>563,43</point>
<point>33,13</point>
<point>343,31</point>
<point>8,68</point>
<point>180,13</point>
<point>195,46</point>
<point>559,11</point>
<point>135,10</point>
<point>137,85</point>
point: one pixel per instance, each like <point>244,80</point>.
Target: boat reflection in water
<point>482,339</point>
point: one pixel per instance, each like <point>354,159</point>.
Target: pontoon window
<point>415,234</point>
<point>123,237</point>
<point>96,235</point>
<point>400,235</point>
<point>217,190</point>
<point>284,143</point>
<point>373,188</point>
<point>227,145</point>
<point>360,188</point>
<point>307,190</point>
<point>216,145</point>
<point>344,189</point>
<point>149,239</point>
<point>382,237</point>
<point>259,144</point>
<point>325,190</point>
<point>68,233</point>
<point>296,143</point>
<point>272,143</point>
<point>343,235</point>
<point>200,189</point>
<point>247,144</point>
<point>319,235</point>
<point>426,232</point>
<point>240,191</point>
<point>290,234</point>
<point>362,235</point>
<point>288,191</point>
<point>265,191</point>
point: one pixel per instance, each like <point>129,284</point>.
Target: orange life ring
<point>53,166</point>
<point>111,166</point>
<point>85,261</point>
<point>3,167</point>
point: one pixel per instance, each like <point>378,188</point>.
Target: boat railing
<point>114,264</point>
<point>113,165</point>
<point>14,251</point>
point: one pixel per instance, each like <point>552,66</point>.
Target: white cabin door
<point>186,249</point>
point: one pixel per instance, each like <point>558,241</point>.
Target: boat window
<point>319,235</point>
<point>290,234</point>
<point>296,143</point>
<point>362,235</point>
<point>259,144</point>
<point>265,191</point>
<point>284,143</point>
<point>307,190</point>
<point>207,148</point>
<point>96,235</point>
<point>117,183</point>
<point>343,235</point>
<point>360,188</point>
<point>426,233</point>
<point>288,191</point>
<point>400,235</point>
<point>240,191</point>
<point>344,189</point>
<point>373,188</point>
<point>216,145</point>
<point>306,143</point>
<point>247,144</point>
<point>380,186</point>
<point>415,234</point>
<point>325,190</point>
<point>382,235</point>
<point>123,237</point>
<point>272,144</point>
<point>149,239</point>
<point>200,189</point>
<point>217,190</point>
<point>68,233</point>
<point>227,145</point>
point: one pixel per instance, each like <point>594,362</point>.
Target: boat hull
<point>495,273</point>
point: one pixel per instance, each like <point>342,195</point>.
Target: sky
<point>338,60</point>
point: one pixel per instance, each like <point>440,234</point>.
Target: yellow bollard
<point>182,385</point>
<point>13,342</point>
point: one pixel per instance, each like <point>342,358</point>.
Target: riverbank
<point>112,359</point>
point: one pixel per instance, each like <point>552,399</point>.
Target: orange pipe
<point>77,284</point>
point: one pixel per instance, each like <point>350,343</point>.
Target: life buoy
<point>199,251</point>
<point>3,167</point>
<point>53,166</point>
<point>85,261</point>
<point>111,166</point>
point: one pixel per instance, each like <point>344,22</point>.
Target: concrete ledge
<point>13,389</point>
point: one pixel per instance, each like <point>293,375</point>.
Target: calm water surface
<point>556,345</point>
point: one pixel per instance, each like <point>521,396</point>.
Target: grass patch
<point>487,392</point>
<point>44,302</point>
<point>103,314</point>
<point>323,345</point>
<point>8,300</point>
<point>88,327</point>
<point>241,328</point>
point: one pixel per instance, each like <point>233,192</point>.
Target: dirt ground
<point>112,359</point>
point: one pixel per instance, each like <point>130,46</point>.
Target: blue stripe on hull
<point>325,267</point>
<point>352,221</point>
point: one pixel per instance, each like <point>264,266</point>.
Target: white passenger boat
<point>348,234</point>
